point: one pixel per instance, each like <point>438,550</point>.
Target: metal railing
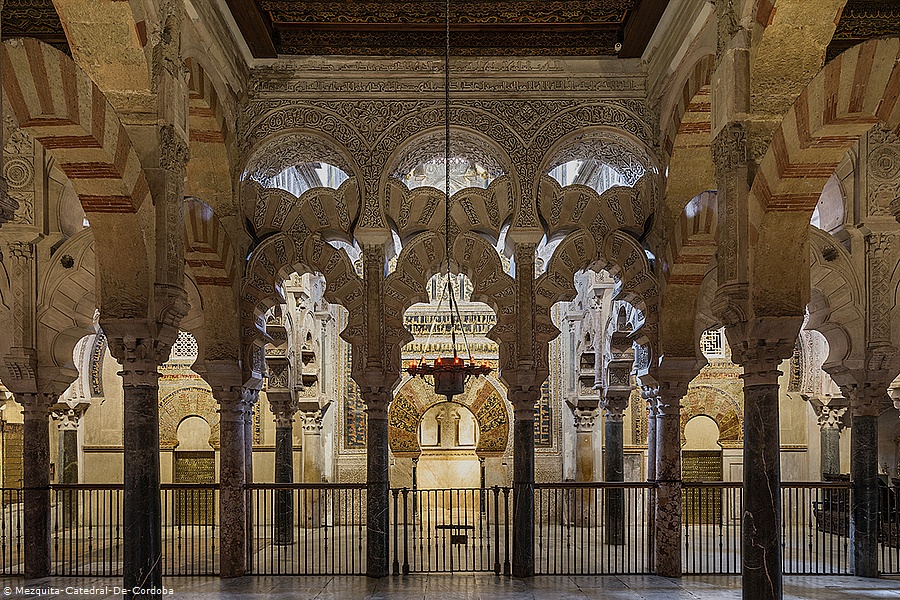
<point>451,530</point>
<point>815,522</point>
<point>306,529</point>
<point>593,528</point>
<point>12,546</point>
<point>889,530</point>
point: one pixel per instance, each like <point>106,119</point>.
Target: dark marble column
<point>524,402</point>
<point>36,482</point>
<point>284,407</point>
<point>232,464</point>
<point>831,414</point>
<point>761,525</point>
<point>378,484</point>
<point>667,526</point>
<point>250,398</point>
<point>141,512</point>
<point>864,474</point>
<point>614,465</point>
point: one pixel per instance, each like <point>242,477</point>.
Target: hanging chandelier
<point>448,373</point>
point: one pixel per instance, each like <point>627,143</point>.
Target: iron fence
<point>815,526</point>
<point>593,528</point>
<point>306,529</point>
<point>451,530</point>
<point>11,541</point>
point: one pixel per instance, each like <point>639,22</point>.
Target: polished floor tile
<point>459,587</point>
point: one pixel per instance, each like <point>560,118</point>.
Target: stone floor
<point>459,587</point>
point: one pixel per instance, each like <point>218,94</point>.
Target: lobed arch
<point>66,307</point>
<point>424,256</point>
<point>484,398</point>
<point>563,209</point>
<point>332,212</point>
<point>487,211</point>
<point>56,103</point>
<point>837,298</point>
<point>292,146</point>
<point>852,94</point>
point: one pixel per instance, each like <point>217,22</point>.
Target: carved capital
<point>524,401</point>
<point>377,402</point>
<point>284,406</point>
<point>614,406</point>
<point>866,400</point>
<point>760,345</point>
<point>68,413</point>
<point>36,406</point>
<point>312,421</point>
<point>140,359</point>
<point>584,419</point>
<point>832,417</point>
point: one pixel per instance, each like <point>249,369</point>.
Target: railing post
<point>506,564</point>
<point>405,532</point>
<point>396,563</point>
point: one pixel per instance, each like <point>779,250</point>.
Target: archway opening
<point>448,434</point>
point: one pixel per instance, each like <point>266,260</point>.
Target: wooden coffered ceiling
<point>478,27</point>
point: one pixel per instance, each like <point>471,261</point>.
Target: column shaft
<point>864,514</point>
<point>284,473</point>
<point>36,484</point>
<point>831,451</point>
<point>523,493</point>
<point>378,490</point>
<point>667,526</point>
<point>141,513</point>
<point>614,470</point>
<point>232,497</point>
<point>761,525</point>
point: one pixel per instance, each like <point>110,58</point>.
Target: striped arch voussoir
<point>207,247</point>
<point>208,123</point>
<point>855,91</point>
<point>692,242</point>
<point>699,77</point>
<point>58,104</point>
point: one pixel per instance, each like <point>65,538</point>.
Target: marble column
<point>864,474</point>
<point>312,469</point>
<point>232,473</point>
<point>36,482</point>
<point>582,504</point>
<point>249,397</point>
<point>68,416</point>
<point>141,511</point>
<point>831,422</point>
<point>524,402</point>
<point>667,526</point>
<point>284,407</point>
<point>378,483</point>
<point>614,406</point>
<point>761,525</point>
<point>649,395</point>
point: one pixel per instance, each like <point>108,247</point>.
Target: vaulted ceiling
<point>417,28</point>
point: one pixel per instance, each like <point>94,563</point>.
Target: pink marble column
<point>224,378</point>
